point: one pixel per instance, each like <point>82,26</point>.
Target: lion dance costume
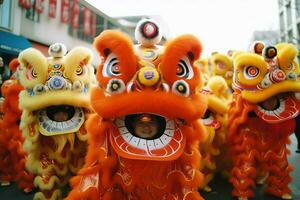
<point>55,103</point>
<point>12,155</point>
<point>214,149</point>
<point>204,66</point>
<point>221,65</point>
<point>144,137</point>
<point>266,101</point>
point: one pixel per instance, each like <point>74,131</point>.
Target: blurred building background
<point>289,19</point>
<point>289,25</point>
<point>39,23</point>
<point>269,37</point>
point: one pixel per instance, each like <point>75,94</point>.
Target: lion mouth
<point>277,108</point>
<point>147,136</point>
<point>274,103</point>
<point>60,113</point>
<point>221,65</point>
<point>148,130</point>
<point>61,119</point>
<point>145,126</point>
<point>210,120</point>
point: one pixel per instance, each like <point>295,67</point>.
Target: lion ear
<point>33,68</point>
<point>287,54</point>
<point>110,41</point>
<point>114,46</point>
<point>183,50</point>
<point>184,45</point>
<point>77,55</point>
<point>14,64</point>
<point>78,66</point>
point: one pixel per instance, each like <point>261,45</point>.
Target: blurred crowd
<point>5,72</point>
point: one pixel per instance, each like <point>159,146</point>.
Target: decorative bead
<point>56,83</point>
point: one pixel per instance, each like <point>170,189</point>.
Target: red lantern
<point>52,9</point>
<point>64,15</point>
<point>94,23</point>
<point>25,4</point>
<point>86,21</point>
<point>75,14</point>
<point>39,6</point>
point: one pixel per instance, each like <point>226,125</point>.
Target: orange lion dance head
<point>144,138</point>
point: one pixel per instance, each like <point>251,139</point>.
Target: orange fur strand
<point>258,145</point>
<point>12,155</point>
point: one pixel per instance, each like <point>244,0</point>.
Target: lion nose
<point>148,76</point>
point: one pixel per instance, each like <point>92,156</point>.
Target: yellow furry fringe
<point>55,196</point>
<point>57,166</point>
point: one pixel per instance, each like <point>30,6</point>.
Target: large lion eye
<point>34,73</point>
<point>79,70</point>
<point>115,69</point>
<point>184,69</point>
<point>111,66</point>
<point>181,71</point>
<point>30,72</point>
<point>207,118</point>
<point>181,87</point>
<point>251,72</point>
<point>291,66</point>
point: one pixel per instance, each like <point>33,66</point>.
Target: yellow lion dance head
<point>55,103</point>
